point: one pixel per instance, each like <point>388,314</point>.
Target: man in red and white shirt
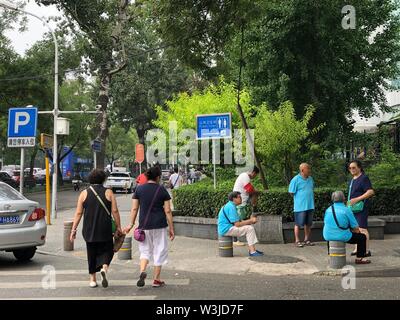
<point>247,192</point>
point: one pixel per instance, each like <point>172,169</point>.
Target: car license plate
<point>10,220</point>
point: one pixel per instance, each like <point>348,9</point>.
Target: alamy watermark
<point>49,279</point>
<point>349,19</point>
<point>172,147</point>
<point>349,278</point>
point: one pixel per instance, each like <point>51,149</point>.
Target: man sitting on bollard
<point>341,225</point>
<point>229,223</point>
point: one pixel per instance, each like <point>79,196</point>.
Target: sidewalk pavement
<point>199,255</point>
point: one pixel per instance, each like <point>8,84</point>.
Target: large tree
<point>101,26</point>
<point>293,50</point>
<point>151,77</point>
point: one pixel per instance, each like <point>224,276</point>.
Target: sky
<point>35,28</point>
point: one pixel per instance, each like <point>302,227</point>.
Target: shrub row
<point>201,200</point>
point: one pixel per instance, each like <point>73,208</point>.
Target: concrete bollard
<point>125,253</point>
<point>68,245</point>
<point>225,246</point>
<point>337,254</point>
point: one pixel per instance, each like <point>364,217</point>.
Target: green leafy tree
<point>184,107</point>
<point>120,144</point>
<point>279,137</point>
<point>101,28</point>
<point>151,76</point>
<point>293,50</point>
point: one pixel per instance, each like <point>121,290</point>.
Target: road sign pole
<point>48,207</point>
<point>215,175</point>
<point>94,160</point>
<point>21,174</point>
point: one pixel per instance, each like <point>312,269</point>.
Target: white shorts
<point>155,246</point>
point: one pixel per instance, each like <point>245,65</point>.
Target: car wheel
<point>24,254</point>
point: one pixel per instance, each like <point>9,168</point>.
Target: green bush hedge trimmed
<point>201,200</point>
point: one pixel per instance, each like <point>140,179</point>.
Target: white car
<point>22,224</point>
<point>120,181</point>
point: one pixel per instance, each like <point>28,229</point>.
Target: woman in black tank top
<point>97,226</point>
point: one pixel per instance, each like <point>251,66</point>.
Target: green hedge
<point>201,200</point>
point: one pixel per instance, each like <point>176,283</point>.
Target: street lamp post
<point>12,6</point>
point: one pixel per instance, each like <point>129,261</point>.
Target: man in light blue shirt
<point>345,227</point>
<point>302,189</point>
<point>229,223</point>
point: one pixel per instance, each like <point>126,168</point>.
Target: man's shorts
<point>303,218</point>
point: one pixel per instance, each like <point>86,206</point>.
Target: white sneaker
<point>239,243</point>
<point>93,284</point>
<point>104,281</point>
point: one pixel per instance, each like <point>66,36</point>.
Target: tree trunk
<point>102,132</point>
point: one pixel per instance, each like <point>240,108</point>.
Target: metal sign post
<point>21,173</point>
<point>46,142</point>
<point>96,147</point>
<point>214,162</point>
<point>139,155</point>
<point>214,127</point>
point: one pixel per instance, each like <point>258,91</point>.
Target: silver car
<point>22,224</point>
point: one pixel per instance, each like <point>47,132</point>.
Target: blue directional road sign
<point>22,123</point>
<point>214,126</point>
<point>96,146</point>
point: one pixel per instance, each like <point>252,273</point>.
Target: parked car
<point>22,224</point>
<point>120,181</point>
<point>40,177</point>
<point>29,181</point>
<point>5,177</point>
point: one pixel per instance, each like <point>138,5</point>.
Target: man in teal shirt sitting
<point>229,224</point>
<point>341,225</point>
<point>302,189</point>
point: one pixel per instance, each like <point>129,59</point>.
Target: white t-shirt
<point>242,180</point>
<point>175,180</point>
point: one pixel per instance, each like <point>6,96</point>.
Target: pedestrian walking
<point>175,180</point>
<point>359,191</point>
<point>248,194</point>
<point>301,187</point>
<point>341,225</point>
<point>230,224</point>
<point>155,218</point>
<point>97,225</point>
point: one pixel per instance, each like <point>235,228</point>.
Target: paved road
<point>24,281</point>
<point>67,199</point>
<point>19,280</point>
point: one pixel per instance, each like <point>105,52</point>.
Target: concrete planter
<point>271,230</point>
<point>392,223</point>
<point>268,228</point>
<point>376,228</point>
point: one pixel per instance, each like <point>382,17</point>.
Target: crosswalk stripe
<point>58,272</point>
<point>73,284</point>
<point>90,298</point>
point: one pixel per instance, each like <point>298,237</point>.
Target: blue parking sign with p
<point>22,123</point>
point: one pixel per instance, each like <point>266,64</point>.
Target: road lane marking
<point>79,284</point>
<point>89,298</point>
<point>58,272</point>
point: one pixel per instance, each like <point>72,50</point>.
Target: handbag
<point>138,233</point>
<point>359,206</point>
<point>118,239</point>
